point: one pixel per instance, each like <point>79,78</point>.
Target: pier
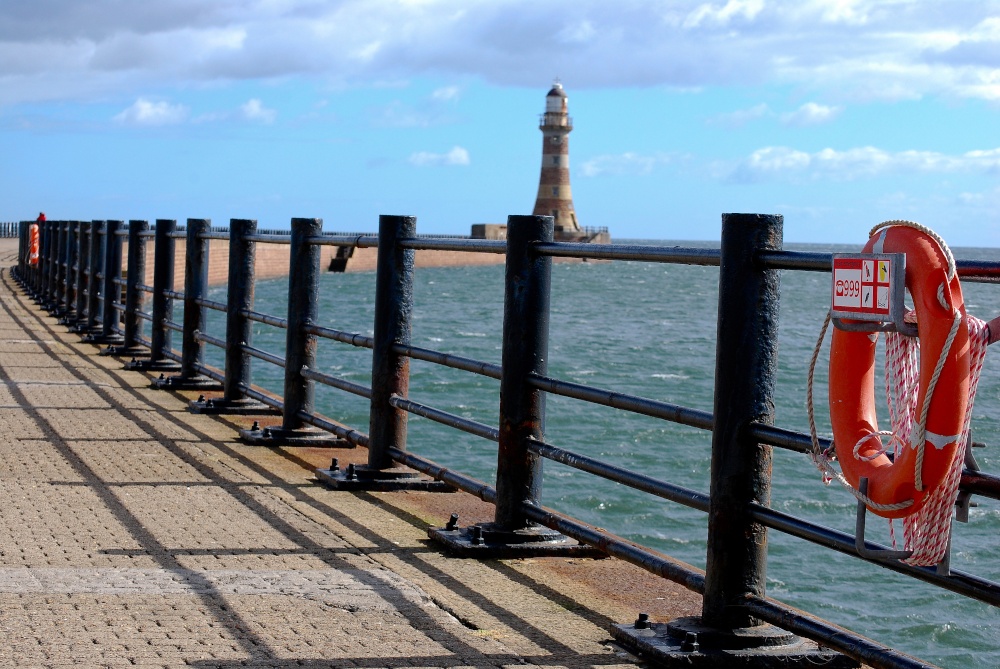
<point>165,456</point>
<point>136,533</point>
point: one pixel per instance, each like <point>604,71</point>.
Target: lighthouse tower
<point>554,195</point>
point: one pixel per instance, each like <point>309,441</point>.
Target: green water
<point>649,330</point>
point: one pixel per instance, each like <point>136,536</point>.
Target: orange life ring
<point>937,300</point>
<point>33,244</point>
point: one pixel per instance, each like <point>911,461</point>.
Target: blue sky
<point>836,113</point>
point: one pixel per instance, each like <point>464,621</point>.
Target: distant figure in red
<point>33,240</point>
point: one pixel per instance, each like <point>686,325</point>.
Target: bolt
<point>210,403</point>
<point>267,433</point>
<point>162,376</point>
<point>335,465</point>
<point>351,474</point>
<point>690,643</point>
<point>452,522</point>
<point>642,622</point>
<point>477,535</point>
<point>255,427</point>
<point>201,398</point>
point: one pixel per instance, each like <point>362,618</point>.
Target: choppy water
<point>649,329</point>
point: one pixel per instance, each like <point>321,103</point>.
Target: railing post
<point>746,360</point>
<point>393,310</point>
<point>136,268</point>
<point>68,311</point>
<point>82,275</point>
<point>390,371</point>
<point>300,346</point>
<point>56,265</point>
<point>111,292</point>
<point>195,314</point>
<point>97,232</point>
<point>525,352</point>
<point>22,250</point>
<point>745,363</point>
<point>239,328</point>
<point>528,279</point>
<point>58,268</point>
<point>160,338</point>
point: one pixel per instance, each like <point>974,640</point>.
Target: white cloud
<point>254,110</point>
<point>741,117</point>
<point>848,49</point>
<point>457,156</point>
<point>577,33</point>
<point>783,162</point>
<point>147,112</point>
<point>446,94</point>
<point>623,164</point>
<point>722,15</point>
<point>811,114</point>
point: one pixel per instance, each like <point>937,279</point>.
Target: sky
<point>837,114</point>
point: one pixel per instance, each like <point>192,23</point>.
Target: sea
<point>649,329</point>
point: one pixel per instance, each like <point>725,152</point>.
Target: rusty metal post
<point>390,370</point>
<point>393,311</point>
<point>82,276</point>
<point>55,265</point>
<point>746,361</point>
<point>68,310</point>
<point>745,365</point>
<point>96,263</point>
<point>528,280</point>
<point>525,352</point>
<point>58,268</point>
<point>160,336</point>
<point>300,346</point>
<point>195,314</point>
<point>136,270</point>
<point>112,270</point>
<point>239,328</point>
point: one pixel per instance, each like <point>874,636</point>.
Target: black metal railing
<point>84,260</point>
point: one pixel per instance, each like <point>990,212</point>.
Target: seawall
<point>272,260</point>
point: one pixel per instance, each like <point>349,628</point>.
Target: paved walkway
<point>135,533</point>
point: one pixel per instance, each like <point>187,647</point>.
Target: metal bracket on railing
<point>859,532</point>
<point>964,501</point>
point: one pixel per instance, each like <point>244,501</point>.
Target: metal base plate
<point>363,478</point>
<point>191,383</point>
<point>240,407</point>
<point>84,329</point>
<point>126,351</point>
<point>279,436</point>
<point>686,642</point>
<point>485,540</point>
<point>152,365</point>
<point>110,340</point>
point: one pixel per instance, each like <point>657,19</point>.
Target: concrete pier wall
<point>272,260</point>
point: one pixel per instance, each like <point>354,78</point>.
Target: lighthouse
<point>555,198</point>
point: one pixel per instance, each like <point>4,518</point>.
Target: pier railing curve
<point>79,277</point>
